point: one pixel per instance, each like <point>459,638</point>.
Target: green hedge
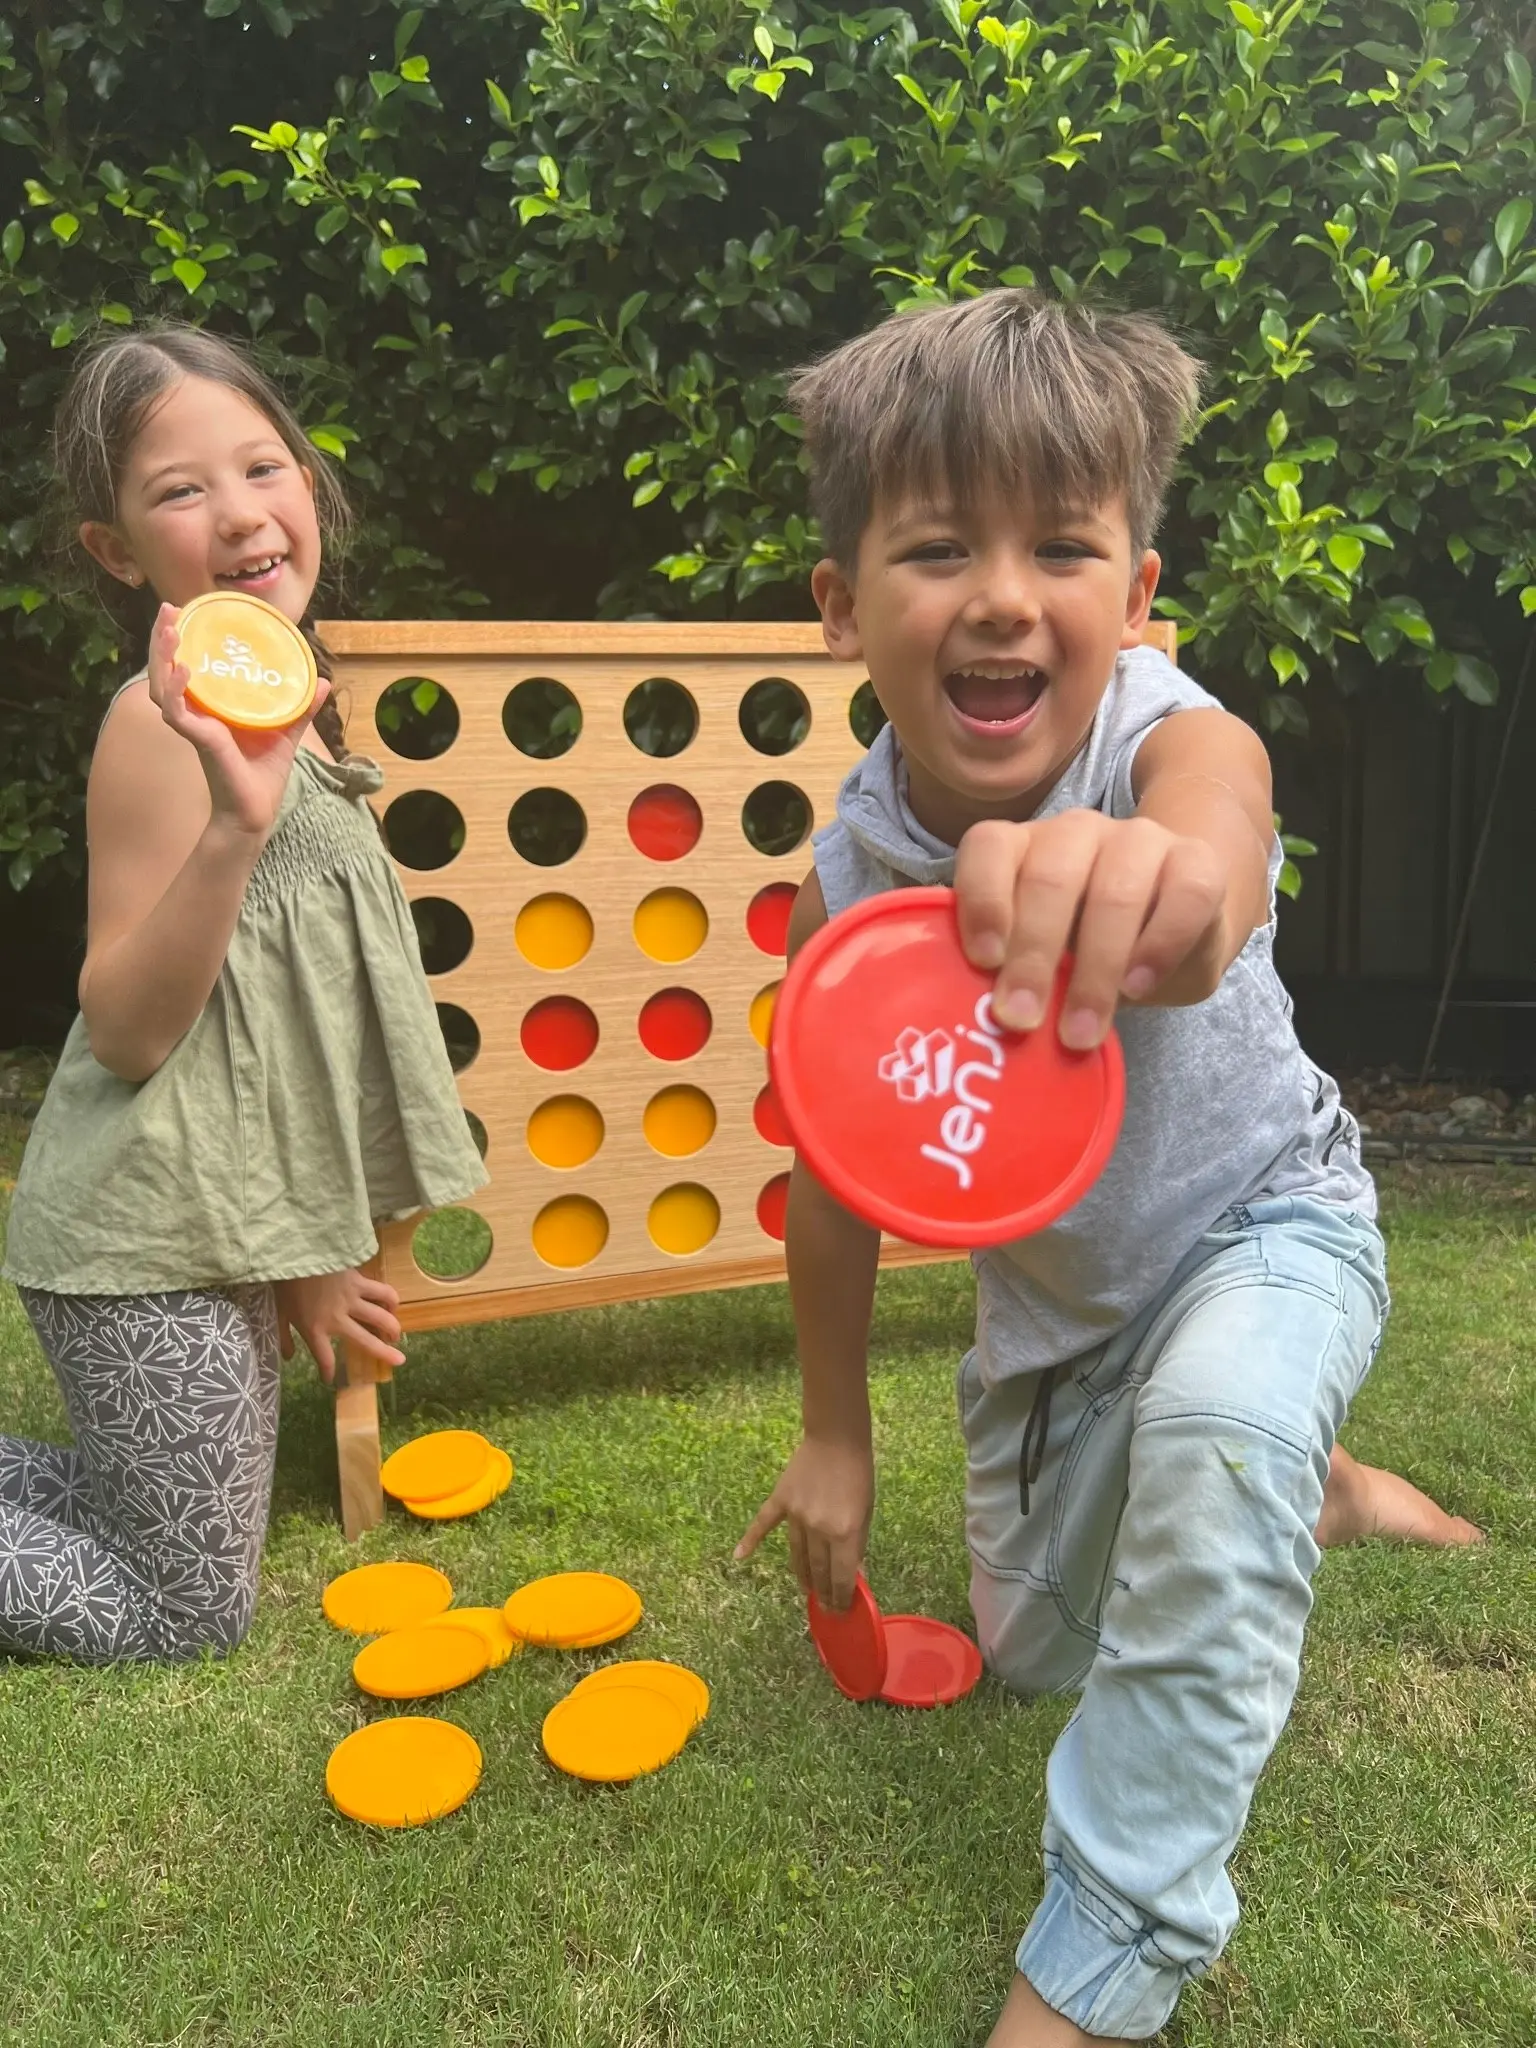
<point>537,272</point>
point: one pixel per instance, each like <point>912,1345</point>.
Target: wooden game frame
<point>483,774</point>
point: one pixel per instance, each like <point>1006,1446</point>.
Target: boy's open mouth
<point>994,696</point>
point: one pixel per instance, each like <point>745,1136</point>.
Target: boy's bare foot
<point>1026,2021</point>
<point>1363,1500</point>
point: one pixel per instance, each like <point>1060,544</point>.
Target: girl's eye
<point>178,491</point>
<point>265,468</point>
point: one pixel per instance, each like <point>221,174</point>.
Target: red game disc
<point>927,1663</point>
<point>852,1644</point>
<point>911,1106</point>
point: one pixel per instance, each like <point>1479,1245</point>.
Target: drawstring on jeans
<point>1036,1430</point>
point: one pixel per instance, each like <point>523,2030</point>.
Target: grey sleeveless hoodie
<point>1222,1106</point>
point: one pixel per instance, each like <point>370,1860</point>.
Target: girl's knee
<point>215,1629</point>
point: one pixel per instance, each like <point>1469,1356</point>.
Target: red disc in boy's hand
<point>851,1644</point>
<point>911,1106</point>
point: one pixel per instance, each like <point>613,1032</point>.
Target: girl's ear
<point>309,476</point>
<point>104,544</point>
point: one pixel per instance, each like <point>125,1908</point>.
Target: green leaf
<point>1285,662</point>
<point>415,70</point>
<point>764,42</point>
<point>633,305</point>
<point>405,31</point>
<point>331,223</point>
<point>651,488</point>
<point>1275,433</point>
<point>1518,72</point>
<point>397,256</point>
<point>331,444</point>
<point>119,315</point>
<point>65,226</point>
<point>425,695</point>
<point>1345,552</point>
<point>1477,680</point>
<point>383,83</point>
<point>13,241</point>
<point>501,106</point>
<point>188,273</point>
<point>724,148</point>
<point>1510,227</point>
<point>1528,600</point>
<point>216,9</point>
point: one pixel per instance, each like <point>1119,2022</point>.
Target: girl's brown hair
<point>114,388</point>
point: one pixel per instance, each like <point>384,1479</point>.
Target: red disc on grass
<point>665,822</point>
<point>911,1105</point>
<point>768,917</point>
<point>852,1644</point>
<point>675,1024</point>
<point>927,1663</point>
<point>559,1034</point>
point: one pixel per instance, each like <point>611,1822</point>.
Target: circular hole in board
<point>679,1122</point>
<point>760,1016</point>
<point>660,717</point>
<point>553,932</point>
<point>670,925</point>
<point>450,1244</point>
<point>675,1024</point>
<point>443,932</point>
<point>774,716</point>
<point>776,817</point>
<point>569,1231</point>
<point>665,822</point>
<point>423,829</point>
<point>559,1033</point>
<point>768,1118</point>
<point>768,918</point>
<point>417,718</point>
<point>773,1206</point>
<point>565,1131</point>
<point>541,718</point>
<point>683,1219</point>
<point>866,715</point>
<point>547,826</point>
<point>461,1035</point>
<point>477,1132</point>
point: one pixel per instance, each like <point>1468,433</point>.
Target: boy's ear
<point>104,544</point>
<point>1138,601</point>
<point>832,588</point>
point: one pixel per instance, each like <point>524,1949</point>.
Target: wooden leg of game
<point>357,1447</point>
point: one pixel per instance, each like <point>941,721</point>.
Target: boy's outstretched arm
<point>1155,908</point>
<point>826,1493</point>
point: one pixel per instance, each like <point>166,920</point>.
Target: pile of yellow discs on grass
<point>450,1473</point>
<point>618,1723</point>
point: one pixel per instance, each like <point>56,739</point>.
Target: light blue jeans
<point>1164,1566</point>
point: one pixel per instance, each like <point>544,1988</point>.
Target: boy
<point>1157,1379</point>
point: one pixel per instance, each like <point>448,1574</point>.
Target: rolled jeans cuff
<point>1096,1967</point>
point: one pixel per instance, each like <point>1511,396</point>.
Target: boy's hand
<point>1134,900</point>
<point>350,1305</point>
<point>826,1497</point>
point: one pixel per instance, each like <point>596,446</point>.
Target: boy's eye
<point>1065,551</point>
<point>935,551</point>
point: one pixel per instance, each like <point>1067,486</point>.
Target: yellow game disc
<point>247,662</point>
<point>403,1771</point>
<point>491,1485</point>
<point>415,1663</point>
<point>432,1467</point>
<point>573,1610</point>
<point>377,1597</point>
<point>613,1734</point>
<point>684,1688</point>
<point>499,1639</point>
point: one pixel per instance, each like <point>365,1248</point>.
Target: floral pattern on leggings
<point>144,1541</point>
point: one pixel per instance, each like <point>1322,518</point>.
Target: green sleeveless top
<point>312,1097</point>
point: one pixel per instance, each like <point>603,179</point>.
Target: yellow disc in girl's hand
<point>403,1771</point>
<point>615,1733</point>
<point>416,1663</point>
<point>247,662</point>
<point>499,1639</point>
<point>377,1597</point>
<point>491,1485</point>
<point>573,1610</point>
<point>432,1467</point>
<point>684,1688</point>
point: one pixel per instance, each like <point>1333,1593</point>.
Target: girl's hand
<point>246,772</point>
<point>349,1305</point>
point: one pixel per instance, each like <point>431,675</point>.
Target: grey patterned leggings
<point>144,1541</point>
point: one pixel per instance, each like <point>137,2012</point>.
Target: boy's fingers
<point>1190,898</point>
<point>986,866</point>
<point>843,1571</point>
<point>767,1518</point>
<point>1115,908</point>
<point>1048,895</point>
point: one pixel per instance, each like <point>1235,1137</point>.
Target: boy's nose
<point>1005,596</point>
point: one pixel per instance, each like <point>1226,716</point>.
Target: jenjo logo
<point>927,1066</point>
<point>241,662</point>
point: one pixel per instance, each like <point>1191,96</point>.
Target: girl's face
<point>212,498</point>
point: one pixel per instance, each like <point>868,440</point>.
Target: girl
<point>256,1073</point>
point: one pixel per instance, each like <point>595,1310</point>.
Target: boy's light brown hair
<point>1013,390</point>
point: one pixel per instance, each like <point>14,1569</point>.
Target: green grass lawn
<point>808,1872</point>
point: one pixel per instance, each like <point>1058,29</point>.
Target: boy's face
<point>990,633</point>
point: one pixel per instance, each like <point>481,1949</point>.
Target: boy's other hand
<point>1133,900</point>
<point>826,1498</point>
